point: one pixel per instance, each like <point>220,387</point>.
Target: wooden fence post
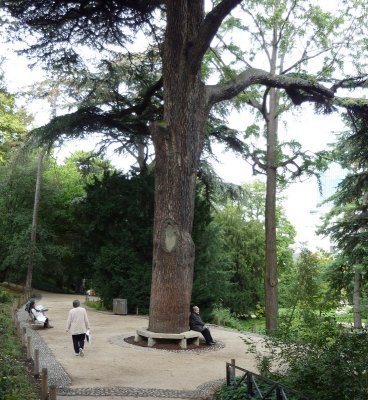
<point>52,392</point>
<point>17,324</point>
<point>24,334</point>
<point>29,356</point>
<point>232,369</point>
<point>36,363</point>
<point>228,377</point>
<point>14,313</point>
<point>44,387</point>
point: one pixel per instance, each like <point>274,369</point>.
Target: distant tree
<point>115,243</point>
<point>62,188</point>
<point>13,125</point>
<point>346,223</point>
<point>303,285</point>
<point>287,38</point>
<point>212,278</point>
<point>241,223</point>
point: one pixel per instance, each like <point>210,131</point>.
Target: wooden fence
<point>257,386</point>
<point>47,392</point>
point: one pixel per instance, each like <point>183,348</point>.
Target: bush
<point>238,391</point>
<point>15,383</point>
<point>96,305</point>
<point>223,316</point>
<point>5,297</point>
<point>323,360</point>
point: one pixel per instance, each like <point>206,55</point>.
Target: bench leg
<point>183,343</point>
<point>137,337</point>
<point>196,341</point>
<point>151,342</point>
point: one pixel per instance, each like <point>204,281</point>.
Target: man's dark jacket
<point>195,322</point>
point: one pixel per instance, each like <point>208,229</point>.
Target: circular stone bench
<point>153,337</point>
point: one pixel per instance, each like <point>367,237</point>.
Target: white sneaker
<point>76,354</point>
<point>81,353</point>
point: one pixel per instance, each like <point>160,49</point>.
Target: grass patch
<point>96,305</point>
<point>15,382</point>
<point>254,325</point>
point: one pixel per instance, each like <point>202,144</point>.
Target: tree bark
<point>271,275</point>
<point>178,142</point>
<point>356,300</point>
<point>271,287</point>
<point>36,207</point>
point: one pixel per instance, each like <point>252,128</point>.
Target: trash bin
<point>120,306</point>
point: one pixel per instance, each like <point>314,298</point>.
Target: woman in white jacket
<point>78,325</point>
<point>38,314</point>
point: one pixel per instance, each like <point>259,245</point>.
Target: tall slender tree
<point>290,37</point>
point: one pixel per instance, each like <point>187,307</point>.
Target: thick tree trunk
<point>356,300</point>
<point>178,142</point>
<point>271,287</point>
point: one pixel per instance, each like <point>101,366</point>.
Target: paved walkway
<point>112,369</point>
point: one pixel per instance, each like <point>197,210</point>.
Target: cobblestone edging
<point>57,375</point>
<point>200,393</point>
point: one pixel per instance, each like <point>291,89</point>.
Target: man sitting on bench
<point>196,324</point>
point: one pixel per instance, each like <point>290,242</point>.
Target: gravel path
<point>114,369</point>
<point>57,375</point>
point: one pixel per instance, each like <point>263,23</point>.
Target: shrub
<point>223,316</point>
<point>15,383</point>
<point>5,297</point>
<point>323,360</point>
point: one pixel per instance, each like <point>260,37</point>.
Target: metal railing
<point>259,387</point>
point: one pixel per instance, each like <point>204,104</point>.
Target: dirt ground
<point>110,361</point>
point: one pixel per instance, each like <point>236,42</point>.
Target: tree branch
<point>351,83</point>
<point>208,31</point>
<point>298,89</point>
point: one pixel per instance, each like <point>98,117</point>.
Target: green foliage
<point>211,276</point>
<point>238,390</point>
<point>346,223</point>
<point>317,357</point>
<point>222,316</point>
<point>17,182</point>
<point>244,246</point>
<point>96,305</point>
<point>241,229</point>
<point>5,296</point>
<point>15,383</point>
<point>62,187</point>
<point>333,367</point>
<point>303,285</point>
<point>12,125</point>
<point>115,230</point>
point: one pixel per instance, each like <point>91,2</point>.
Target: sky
<point>302,199</point>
